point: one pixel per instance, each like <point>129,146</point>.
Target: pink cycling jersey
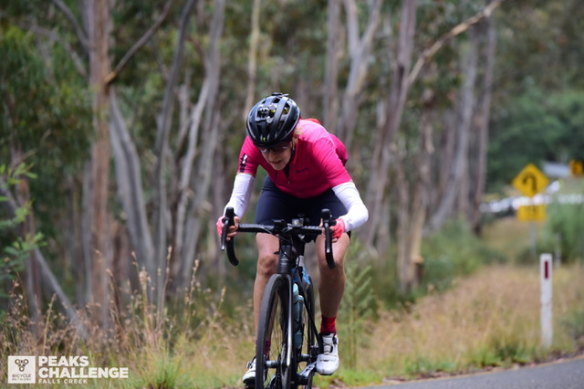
<point>318,162</point>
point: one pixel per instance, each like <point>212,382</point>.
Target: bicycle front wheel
<point>274,349</point>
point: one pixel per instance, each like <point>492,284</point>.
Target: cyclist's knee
<point>339,249</point>
<point>267,260</point>
<point>339,263</point>
<point>267,263</point>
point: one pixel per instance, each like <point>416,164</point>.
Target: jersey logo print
<point>242,163</point>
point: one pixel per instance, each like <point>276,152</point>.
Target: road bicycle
<point>287,342</point>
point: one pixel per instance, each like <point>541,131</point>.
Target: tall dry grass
<point>489,319</point>
<point>189,345</point>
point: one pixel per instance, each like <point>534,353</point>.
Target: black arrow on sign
<point>530,177</point>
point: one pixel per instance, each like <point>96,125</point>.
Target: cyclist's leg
<point>332,281</point>
<point>267,246</point>
<point>331,285</point>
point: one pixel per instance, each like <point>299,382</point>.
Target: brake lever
<point>228,222</point>
<point>328,222</point>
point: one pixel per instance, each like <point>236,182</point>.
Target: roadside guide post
<point>546,269</point>
<point>531,181</point>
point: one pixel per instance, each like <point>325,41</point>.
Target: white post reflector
<point>545,266</point>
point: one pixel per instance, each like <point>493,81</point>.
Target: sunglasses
<point>277,149</point>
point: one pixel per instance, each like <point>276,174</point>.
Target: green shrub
<point>15,247</point>
<point>564,229</point>
<point>452,252</point>
<point>574,324</point>
<point>357,308</point>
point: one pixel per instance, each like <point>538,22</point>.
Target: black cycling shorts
<point>275,204</point>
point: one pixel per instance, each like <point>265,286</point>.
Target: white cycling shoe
<point>328,362</point>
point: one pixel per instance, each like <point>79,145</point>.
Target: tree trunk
<point>413,200</point>
<point>74,250</point>
<point>130,188</point>
<point>405,272</point>
<point>219,193</point>
<point>200,186</point>
<point>457,187</point>
<point>162,214</point>
<point>330,103</point>
<point>483,118</point>
<point>101,242</point>
<point>359,52</point>
<point>252,57</point>
<point>184,192</point>
<point>86,228</point>
<point>396,101</point>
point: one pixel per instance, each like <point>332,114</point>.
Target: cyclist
<point>306,173</point>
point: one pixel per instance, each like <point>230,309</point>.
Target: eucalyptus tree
<point>538,90</point>
<point>390,148</point>
<point>43,134</point>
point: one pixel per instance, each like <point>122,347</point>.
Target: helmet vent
<point>263,111</point>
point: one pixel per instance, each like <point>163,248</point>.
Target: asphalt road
<point>558,375</point>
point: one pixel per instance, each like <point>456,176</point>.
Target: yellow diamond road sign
<point>530,181</point>
<point>577,168</point>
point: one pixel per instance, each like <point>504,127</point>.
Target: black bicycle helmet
<point>272,120</point>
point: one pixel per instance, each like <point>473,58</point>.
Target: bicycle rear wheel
<point>274,350</point>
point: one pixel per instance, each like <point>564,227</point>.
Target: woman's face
<point>279,155</point>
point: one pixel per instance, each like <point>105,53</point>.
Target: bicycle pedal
<point>309,370</point>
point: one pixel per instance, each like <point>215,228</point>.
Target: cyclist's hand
<point>338,229</point>
<point>232,229</point>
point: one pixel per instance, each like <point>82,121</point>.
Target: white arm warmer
<point>242,187</point>
<point>357,213</point>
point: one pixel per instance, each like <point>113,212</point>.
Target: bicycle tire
<point>275,326</point>
<point>309,339</point>
<point>310,309</point>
